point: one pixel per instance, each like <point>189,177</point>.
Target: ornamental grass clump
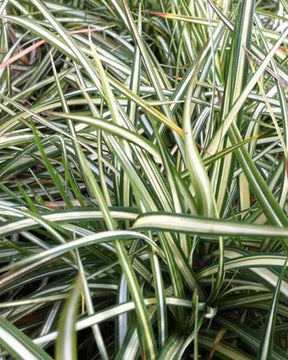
<point>143,179</point>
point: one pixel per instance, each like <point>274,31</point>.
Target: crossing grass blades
<point>143,179</point>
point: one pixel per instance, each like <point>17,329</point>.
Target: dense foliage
<point>143,179</point>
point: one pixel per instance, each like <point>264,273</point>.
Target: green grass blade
<point>18,344</point>
<point>66,346</point>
